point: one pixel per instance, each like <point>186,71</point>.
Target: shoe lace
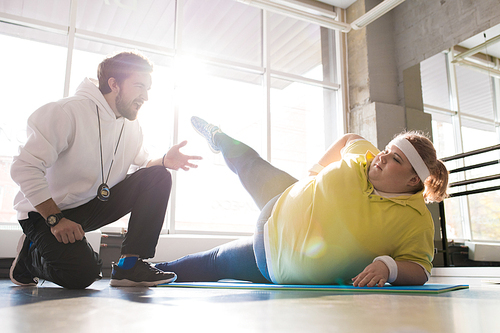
<point>150,267</point>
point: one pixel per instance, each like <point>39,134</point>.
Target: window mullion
<point>71,45</point>
<point>266,63</point>
<point>457,131</point>
<point>175,133</point>
<point>496,99</point>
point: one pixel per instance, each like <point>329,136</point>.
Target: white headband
<point>413,156</point>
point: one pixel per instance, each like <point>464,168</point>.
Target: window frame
<point>457,116</point>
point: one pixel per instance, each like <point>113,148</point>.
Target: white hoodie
<point>61,158</point>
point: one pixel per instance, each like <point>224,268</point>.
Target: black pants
<point>144,194</point>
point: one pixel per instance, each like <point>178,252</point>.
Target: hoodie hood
<point>90,90</point>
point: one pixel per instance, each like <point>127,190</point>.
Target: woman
<point>359,217</point>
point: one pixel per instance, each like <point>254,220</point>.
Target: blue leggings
<point>237,259</point>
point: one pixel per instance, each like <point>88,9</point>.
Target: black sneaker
<point>142,274</point>
<point>19,274</point>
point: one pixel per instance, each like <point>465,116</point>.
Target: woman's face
<point>390,171</point>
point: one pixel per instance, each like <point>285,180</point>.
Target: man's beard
<point>124,109</point>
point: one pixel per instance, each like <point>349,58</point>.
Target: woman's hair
<point>436,185</point>
<point>120,67</point>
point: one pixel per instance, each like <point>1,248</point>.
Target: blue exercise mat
<point>430,288</point>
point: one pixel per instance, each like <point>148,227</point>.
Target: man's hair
<point>120,67</point>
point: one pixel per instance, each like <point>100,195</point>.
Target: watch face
<point>52,220</point>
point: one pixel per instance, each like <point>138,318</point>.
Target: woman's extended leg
<point>261,180</point>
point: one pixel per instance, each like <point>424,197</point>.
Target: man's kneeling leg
<point>75,266</point>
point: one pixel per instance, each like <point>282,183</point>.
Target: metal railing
<point>458,193</point>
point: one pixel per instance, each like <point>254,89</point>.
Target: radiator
<point>483,251</point>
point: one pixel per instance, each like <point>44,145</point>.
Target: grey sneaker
<point>19,273</point>
<point>207,131</point>
<point>142,274</point>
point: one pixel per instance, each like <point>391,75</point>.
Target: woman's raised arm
<point>332,154</point>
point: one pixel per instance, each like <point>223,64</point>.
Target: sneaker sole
<point>14,263</point>
<point>209,145</point>
<point>129,283</point>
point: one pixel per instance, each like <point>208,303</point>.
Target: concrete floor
<point>100,308</point>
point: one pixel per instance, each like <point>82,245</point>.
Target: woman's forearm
<point>410,273</point>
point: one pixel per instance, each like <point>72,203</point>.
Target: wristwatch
<point>54,219</point>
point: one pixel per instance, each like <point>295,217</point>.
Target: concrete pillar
<point>374,112</point>
<point>416,119</point>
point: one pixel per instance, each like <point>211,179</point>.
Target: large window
<point>28,82</point>
<point>266,79</point>
<point>463,102</point>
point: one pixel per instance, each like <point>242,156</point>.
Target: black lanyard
<point>103,192</point>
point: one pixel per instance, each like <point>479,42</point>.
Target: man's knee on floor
<point>81,267</point>
<point>82,275</point>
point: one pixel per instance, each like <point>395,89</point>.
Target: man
<point>84,166</point>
